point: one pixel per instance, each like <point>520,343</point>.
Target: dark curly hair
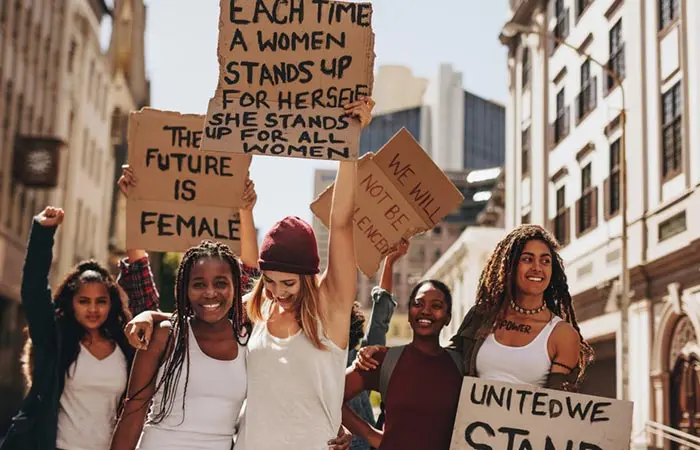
<point>177,346</point>
<point>85,272</point>
<point>497,284</point>
<point>357,326</point>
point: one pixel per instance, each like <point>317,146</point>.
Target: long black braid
<point>497,284</point>
<point>177,347</point>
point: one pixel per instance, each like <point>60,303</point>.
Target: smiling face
<point>428,311</point>
<point>91,305</point>
<point>281,287</point>
<point>210,289</point>
<point>534,268</point>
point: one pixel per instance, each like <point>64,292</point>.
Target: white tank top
<point>215,393</point>
<point>529,364</point>
<point>88,406</point>
<point>295,391</point>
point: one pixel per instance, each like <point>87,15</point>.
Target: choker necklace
<point>522,310</point>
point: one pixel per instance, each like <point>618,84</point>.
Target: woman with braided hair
<point>523,326</point>
<point>193,373</point>
<point>77,357</point>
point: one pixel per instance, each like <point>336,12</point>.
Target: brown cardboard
<point>382,216</point>
<point>418,178</point>
<point>491,410</point>
<point>169,226</point>
<point>388,206</point>
<point>323,59</point>
<point>150,143</point>
<point>174,175</point>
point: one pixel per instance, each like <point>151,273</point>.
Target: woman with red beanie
<point>297,350</point>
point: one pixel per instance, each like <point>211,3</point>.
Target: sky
<point>181,42</point>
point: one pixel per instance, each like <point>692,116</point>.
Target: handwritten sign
<point>401,193</point>
<point>287,68</point>
<point>184,195</point>
<point>502,416</point>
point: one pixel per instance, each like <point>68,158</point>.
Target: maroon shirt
<point>422,399</point>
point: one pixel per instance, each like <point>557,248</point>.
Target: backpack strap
<point>457,358</point>
<point>390,360</point>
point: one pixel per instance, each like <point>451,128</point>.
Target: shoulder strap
<point>457,358</point>
<point>390,359</point>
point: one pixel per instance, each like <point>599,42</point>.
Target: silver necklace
<point>522,310</point>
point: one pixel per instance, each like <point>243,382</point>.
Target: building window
<point>525,152</point>
<point>581,6</point>
<point>612,184</point>
<point>526,67</point>
<point>71,54</point>
<point>586,206</point>
<point>561,123</point>
<point>17,19</point>
<point>561,14</point>
<point>616,63</point>
<point>561,220</point>
<point>83,159</point>
<point>7,109</point>
<point>672,226</point>
<point>672,131</point>
<point>586,100</point>
<point>669,10</point>
<point>27,34</point>
<point>91,76</point>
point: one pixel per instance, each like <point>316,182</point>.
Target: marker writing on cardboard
<point>420,195</point>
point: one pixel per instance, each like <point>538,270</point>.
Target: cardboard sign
<point>501,416</point>
<point>183,195</point>
<point>286,69</point>
<point>400,193</point>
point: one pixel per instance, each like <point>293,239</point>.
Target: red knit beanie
<point>290,247</point>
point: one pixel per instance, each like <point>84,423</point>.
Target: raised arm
<point>35,290</point>
<point>341,274</point>
<point>135,274</point>
<point>383,302</point>
<point>339,281</point>
<point>249,238</point>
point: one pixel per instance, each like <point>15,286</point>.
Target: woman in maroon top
<point>425,383</point>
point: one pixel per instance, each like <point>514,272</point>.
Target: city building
<point>130,92</point>
<point>322,179</point>
<point>396,88</point>
<point>564,147</point>
<point>458,129</point>
<point>56,85</point>
<point>30,53</point>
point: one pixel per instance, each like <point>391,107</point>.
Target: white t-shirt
<point>88,406</point>
<point>216,391</point>
<point>295,392</point>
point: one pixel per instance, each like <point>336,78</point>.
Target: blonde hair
<point>309,315</point>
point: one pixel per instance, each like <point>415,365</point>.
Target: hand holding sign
<point>362,110</point>
<point>249,195</point>
<point>127,180</point>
